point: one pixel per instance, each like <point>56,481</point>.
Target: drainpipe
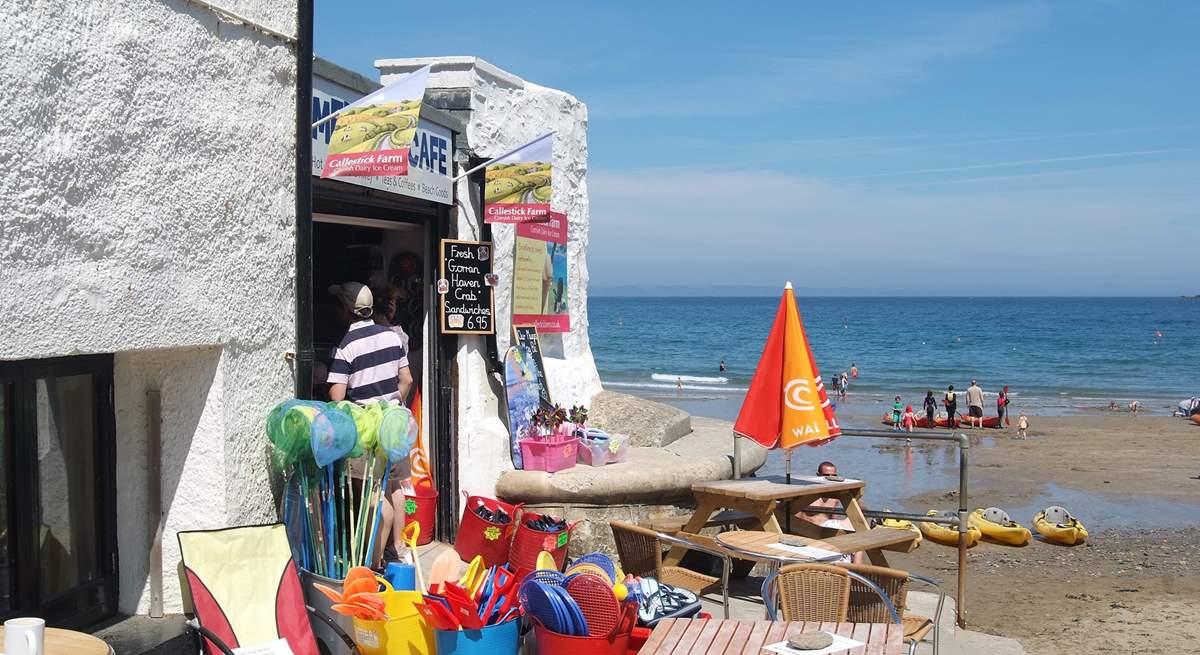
<point>304,59</point>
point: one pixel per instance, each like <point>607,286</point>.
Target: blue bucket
<point>499,639</point>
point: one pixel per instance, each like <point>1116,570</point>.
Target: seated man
<point>830,521</point>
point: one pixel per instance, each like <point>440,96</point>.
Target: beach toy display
<point>1056,525</point>
<point>597,448</point>
<point>578,612</point>
<point>548,444</point>
<point>996,525</point>
<point>948,535</point>
<point>478,614</point>
<point>486,529</point>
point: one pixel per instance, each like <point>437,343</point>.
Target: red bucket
<point>479,536</point>
<point>616,643</point>
<point>420,507</point>
<point>528,543</point>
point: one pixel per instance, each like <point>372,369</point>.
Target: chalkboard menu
<point>467,287</point>
<point>527,340</point>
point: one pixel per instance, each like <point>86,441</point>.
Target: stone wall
<point>148,205</point>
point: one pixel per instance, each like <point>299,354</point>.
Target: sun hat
<point>1057,515</point>
<point>356,297</point>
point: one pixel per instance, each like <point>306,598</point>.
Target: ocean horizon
<point>1057,354</point>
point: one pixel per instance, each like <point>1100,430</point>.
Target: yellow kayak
<point>1060,527</point>
<point>901,524</point>
<point>948,535</point>
<point>995,525</point>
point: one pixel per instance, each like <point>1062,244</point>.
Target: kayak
<point>1069,533</point>
<point>901,524</point>
<point>988,421</point>
<point>948,535</point>
<point>940,421</point>
<point>1007,532</point>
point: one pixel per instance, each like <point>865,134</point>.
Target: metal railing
<point>960,439</point>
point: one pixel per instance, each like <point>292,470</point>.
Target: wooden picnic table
<point>758,544</point>
<point>747,637</point>
<point>764,499</point>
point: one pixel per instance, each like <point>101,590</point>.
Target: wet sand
<point>1135,585</point>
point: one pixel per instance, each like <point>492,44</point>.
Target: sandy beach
<point>1135,585</point>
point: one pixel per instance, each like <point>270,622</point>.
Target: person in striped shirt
<point>370,362</point>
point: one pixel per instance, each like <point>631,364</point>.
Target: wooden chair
<point>866,606</point>
<point>808,592</point>
<point>641,551</point>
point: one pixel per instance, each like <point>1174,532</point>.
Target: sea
<point>1058,356</point>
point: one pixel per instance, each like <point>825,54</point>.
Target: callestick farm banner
<point>540,276</point>
<point>373,135</point>
<point>517,187</point>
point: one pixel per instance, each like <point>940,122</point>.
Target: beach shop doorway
<point>394,250</point>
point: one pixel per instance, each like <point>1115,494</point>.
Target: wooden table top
<point>715,636</point>
<point>774,488</point>
<point>69,642</point>
<point>760,542</point>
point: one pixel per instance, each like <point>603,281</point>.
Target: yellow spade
<point>546,561</point>
<point>473,578</point>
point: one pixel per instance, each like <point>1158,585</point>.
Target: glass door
<point>61,496</point>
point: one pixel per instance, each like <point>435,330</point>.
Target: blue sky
<point>891,148</point>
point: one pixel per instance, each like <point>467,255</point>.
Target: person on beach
<point>950,400</point>
<point>854,370</point>
<point>897,413</point>
<point>930,410</point>
<point>1002,405</point>
<point>1134,407</point>
<point>845,384</point>
<point>679,385</point>
<point>910,419</point>
<point>975,403</point>
<point>1022,426</point>
<point>830,521</point>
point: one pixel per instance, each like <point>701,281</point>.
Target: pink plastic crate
<point>599,452</point>
<point>549,455</point>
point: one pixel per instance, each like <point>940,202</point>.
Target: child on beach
<point>897,413</point>
<point>910,419</point>
<point>1022,426</point>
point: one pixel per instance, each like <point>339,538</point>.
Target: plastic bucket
<point>616,643</point>
<point>500,639</point>
<point>420,507</point>
<point>528,543</point>
<point>328,641</point>
<point>479,536</point>
<point>405,633</point>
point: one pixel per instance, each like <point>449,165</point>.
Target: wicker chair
<point>867,607</point>
<point>641,550</point>
<point>809,592</point>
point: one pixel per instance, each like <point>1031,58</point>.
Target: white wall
<point>506,112</point>
<point>148,204</point>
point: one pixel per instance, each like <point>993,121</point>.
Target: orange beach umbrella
<point>786,405</point>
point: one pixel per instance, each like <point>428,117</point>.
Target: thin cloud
<point>1021,162</point>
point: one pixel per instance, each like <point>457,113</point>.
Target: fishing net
<point>397,432</point>
<point>287,446</point>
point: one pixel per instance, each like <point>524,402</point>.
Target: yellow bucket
<point>404,633</point>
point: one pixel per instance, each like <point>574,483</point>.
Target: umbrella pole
<point>737,456</point>
<point>787,467</point>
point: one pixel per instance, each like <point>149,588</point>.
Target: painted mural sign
<point>517,187</point>
<point>429,155</point>
<point>468,301</point>
<point>540,275</point>
<point>374,134</point>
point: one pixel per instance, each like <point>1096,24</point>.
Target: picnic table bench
<point>748,637</point>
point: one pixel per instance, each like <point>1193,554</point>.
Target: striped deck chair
<point>245,589</point>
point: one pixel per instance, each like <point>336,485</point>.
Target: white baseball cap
<point>356,297</point>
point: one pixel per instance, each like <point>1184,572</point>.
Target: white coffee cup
<point>25,636</point>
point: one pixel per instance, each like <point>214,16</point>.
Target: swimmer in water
<point>722,366</point>
<point>854,370</point>
<point>679,384</point>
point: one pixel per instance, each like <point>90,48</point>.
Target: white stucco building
<point>148,311</point>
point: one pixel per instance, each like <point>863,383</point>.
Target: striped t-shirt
<point>368,361</point>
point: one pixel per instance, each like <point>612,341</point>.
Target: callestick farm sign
<point>466,286</point>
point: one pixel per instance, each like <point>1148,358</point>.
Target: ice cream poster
<point>517,187</point>
<point>540,275</point>
<point>374,134</point>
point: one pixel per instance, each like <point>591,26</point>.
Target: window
<point>57,553</point>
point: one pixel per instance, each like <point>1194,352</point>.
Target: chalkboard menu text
<point>468,300</point>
